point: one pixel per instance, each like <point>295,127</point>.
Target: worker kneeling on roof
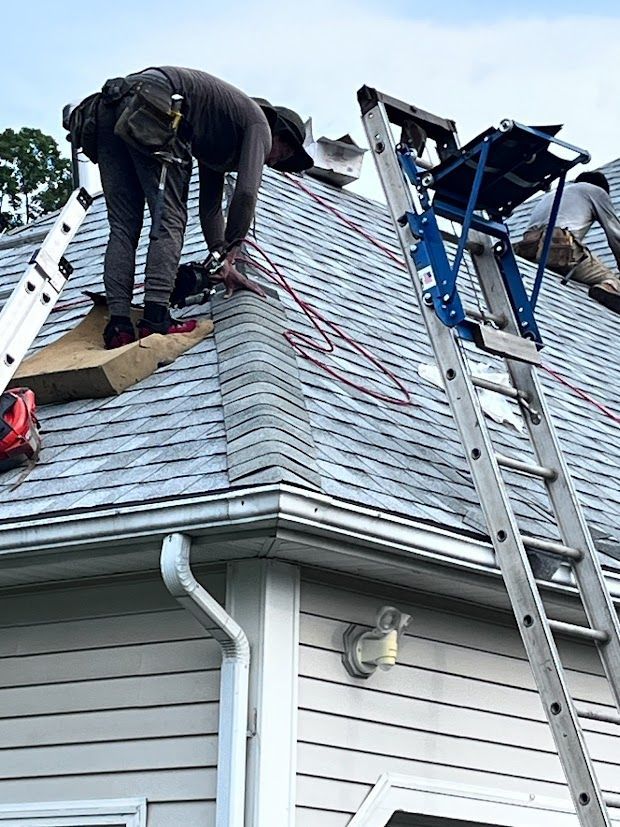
<point>584,201</point>
<point>131,130</point>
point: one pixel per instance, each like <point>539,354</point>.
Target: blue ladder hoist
<point>477,186</point>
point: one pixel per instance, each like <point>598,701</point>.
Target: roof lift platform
<point>477,187</point>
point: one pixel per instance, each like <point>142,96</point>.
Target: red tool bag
<point>20,439</point>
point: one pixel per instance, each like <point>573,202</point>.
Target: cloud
<point>536,70</point>
<point>314,56</point>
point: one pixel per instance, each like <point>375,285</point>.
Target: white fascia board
<point>318,514</point>
<point>266,510</point>
<point>254,508</point>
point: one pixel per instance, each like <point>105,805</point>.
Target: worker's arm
<point>254,151</point>
<point>211,217</point>
<point>606,216</point>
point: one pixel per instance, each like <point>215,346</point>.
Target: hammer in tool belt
<point>167,158</point>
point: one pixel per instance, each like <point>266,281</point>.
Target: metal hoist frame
<point>34,297</point>
<point>477,186</point>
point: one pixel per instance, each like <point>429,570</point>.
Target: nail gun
<point>194,282</point>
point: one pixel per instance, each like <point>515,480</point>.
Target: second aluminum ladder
<point>477,186</point>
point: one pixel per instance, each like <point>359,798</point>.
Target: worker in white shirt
<point>584,201</point>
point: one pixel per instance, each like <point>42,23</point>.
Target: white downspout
<point>233,724</point>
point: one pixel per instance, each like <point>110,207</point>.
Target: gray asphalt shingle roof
<point>171,434</point>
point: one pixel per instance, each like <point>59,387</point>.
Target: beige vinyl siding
<point>459,706</point>
<point>109,691</point>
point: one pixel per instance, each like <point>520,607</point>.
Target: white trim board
<point>479,805</point>
<point>124,812</point>
<point>263,597</point>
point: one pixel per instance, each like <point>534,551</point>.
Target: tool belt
<point>82,126</point>
<point>565,252</point>
<point>146,120</point>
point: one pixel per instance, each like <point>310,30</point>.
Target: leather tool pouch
<point>146,121</point>
<point>82,126</point>
<point>527,247</point>
<point>562,250</point>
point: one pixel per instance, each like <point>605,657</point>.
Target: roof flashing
<point>337,162</point>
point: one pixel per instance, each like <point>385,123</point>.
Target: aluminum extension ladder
<point>476,186</point>
<point>34,297</point>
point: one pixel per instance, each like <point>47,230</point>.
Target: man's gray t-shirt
<point>582,204</point>
<point>229,132</point>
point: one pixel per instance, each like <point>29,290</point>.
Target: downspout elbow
<point>181,583</point>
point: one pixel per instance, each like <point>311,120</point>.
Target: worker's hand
<point>234,280</point>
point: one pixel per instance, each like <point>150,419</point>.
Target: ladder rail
<point>510,551</point>
<point>595,596</point>
<point>35,295</point>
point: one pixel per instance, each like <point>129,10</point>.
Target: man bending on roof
<point>224,130</point>
<point>584,201</point>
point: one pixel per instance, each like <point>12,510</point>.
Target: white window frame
<point>481,805</point>
<point>126,812</point>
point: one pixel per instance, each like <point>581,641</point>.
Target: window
<point>408,801</point>
<point>108,813</point>
<point>409,820</point>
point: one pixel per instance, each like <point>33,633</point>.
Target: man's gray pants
<point>129,179</point>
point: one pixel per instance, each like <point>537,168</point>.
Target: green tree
<point>34,179</point>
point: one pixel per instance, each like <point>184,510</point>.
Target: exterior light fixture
<point>366,650</point>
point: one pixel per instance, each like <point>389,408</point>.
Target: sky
<point>535,61</point>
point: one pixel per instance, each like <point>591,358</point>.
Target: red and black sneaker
<point>118,332</point>
<point>169,325</point>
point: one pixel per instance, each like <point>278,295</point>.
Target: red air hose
<point>306,346</point>
<point>576,390</point>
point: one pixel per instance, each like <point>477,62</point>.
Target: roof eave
<point>339,531</point>
<point>238,509</point>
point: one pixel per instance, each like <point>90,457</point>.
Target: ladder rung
<point>611,800</point>
<point>579,631</point>
<point>553,548</point>
<point>526,467</point>
<point>500,320</point>
<point>595,715</point>
<point>507,345</point>
<point>497,387</point>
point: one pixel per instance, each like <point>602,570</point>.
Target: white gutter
<point>233,721</point>
<point>359,531</point>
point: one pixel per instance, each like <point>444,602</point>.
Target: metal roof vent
<point>338,162</point>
